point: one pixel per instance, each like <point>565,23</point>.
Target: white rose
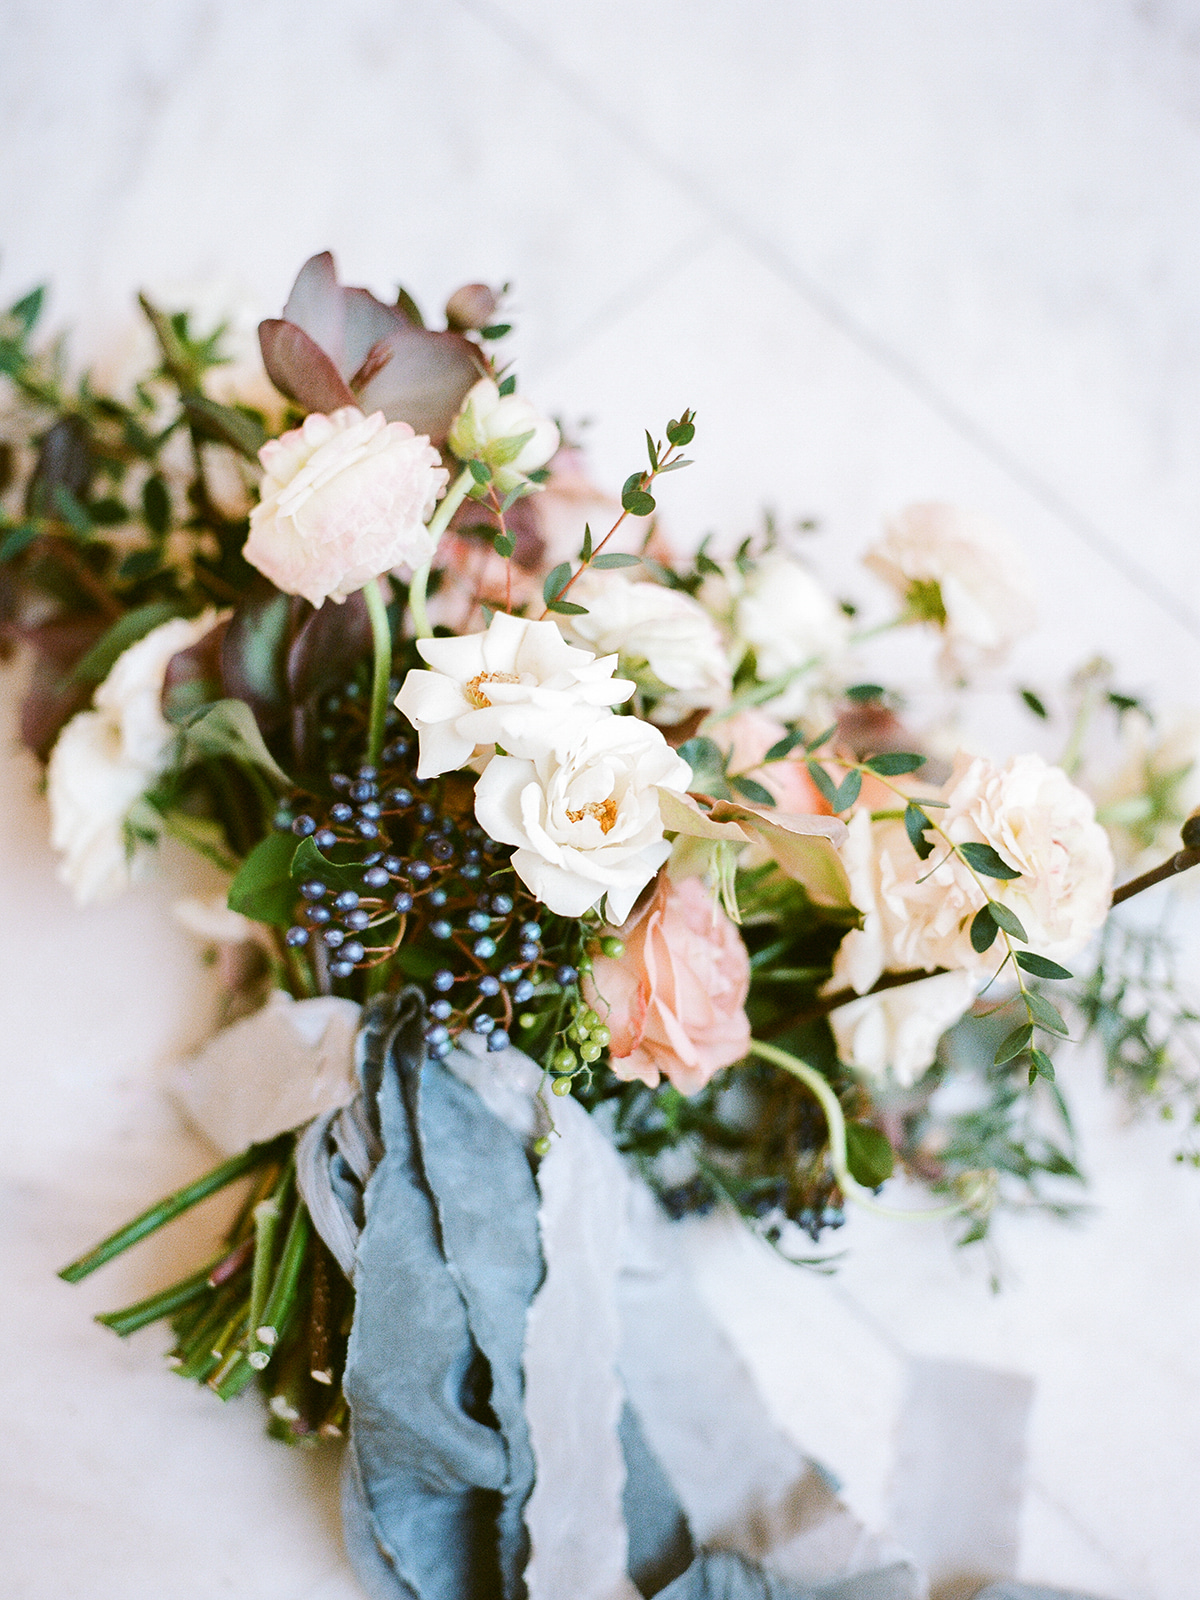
<point>104,760</point>
<point>516,685</point>
<point>793,625</point>
<point>1045,826</point>
<point>505,431</point>
<point>898,1030</point>
<point>585,815</point>
<point>959,571</point>
<point>345,499</point>
<point>665,639</point>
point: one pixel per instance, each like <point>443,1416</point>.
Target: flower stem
<point>454,497</point>
<point>828,1101</point>
<point>381,635</point>
<point>165,1210</point>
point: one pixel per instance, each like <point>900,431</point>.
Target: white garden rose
<point>959,571</point>
<point>505,431</point>
<point>1038,821</point>
<point>585,815</point>
<point>518,684</point>
<point>344,500</point>
<point>104,760</point>
<point>793,625</point>
<point>665,639</point>
<point>897,1031</point>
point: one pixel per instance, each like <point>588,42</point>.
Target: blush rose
<point>674,1002</point>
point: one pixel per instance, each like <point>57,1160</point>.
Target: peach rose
<point>675,1001</point>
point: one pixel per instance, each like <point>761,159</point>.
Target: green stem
<point>131,1318</point>
<point>381,636</point>
<point>454,497</point>
<point>287,1280</point>
<point>828,1101</point>
<point>166,1210</point>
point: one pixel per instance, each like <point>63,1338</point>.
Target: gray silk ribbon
<point>429,1203</point>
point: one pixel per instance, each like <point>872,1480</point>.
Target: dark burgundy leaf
<point>301,369</point>
<point>64,462</point>
<point>425,381</point>
<point>193,676</point>
<point>254,653</point>
<point>328,644</point>
<point>317,308</point>
<point>53,698</point>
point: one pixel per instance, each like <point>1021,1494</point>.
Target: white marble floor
<point>890,249</point>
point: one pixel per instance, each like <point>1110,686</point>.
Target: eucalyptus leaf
<point>608,560</point>
<point>1043,1067</point>
<point>847,791</point>
<point>822,780</point>
<point>1008,920</point>
<point>983,930</point>
<point>915,825</point>
<point>894,763</point>
<point>555,581</point>
<point>755,792</point>
<point>986,860</point>
<point>1041,966</point>
<point>784,747</point>
<point>1015,1042</point>
<point>1044,1014</point>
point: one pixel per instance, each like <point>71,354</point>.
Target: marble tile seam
<point>1138,1584</point>
<point>771,255</point>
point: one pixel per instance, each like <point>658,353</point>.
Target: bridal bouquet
<point>543,844</point>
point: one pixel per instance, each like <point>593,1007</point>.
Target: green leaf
<point>785,746</point>
<point>225,425</point>
<point>682,432</point>
<point>1014,1044</point>
<point>894,762</point>
<point>915,825</point>
<point>228,728</point>
<point>309,861</point>
<point>847,791</point>
<point>28,308</point>
<point>501,451</point>
<point>755,792</point>
<point>1042,1066</point>
<point>634,498</point>
<point>496,331</point>
<point>508,386</point>
<point>707,762</point>
<point>555,581</point>
<point>1044,1014</point>
<point>1008,920</point>
<point>984,859</point>
<point>17,539</point>
<point>822,738</point>
<point>607,561</point>
<point>156,505</point>
<point>651,452</point>
<point>869,1154</point>
<point>1041,966</point>
<point>983,930</point>
<point>822,780</point>
<point>566,608</point>
<point>263,888</point>
<point>140,564</point>
<point>504,544</point>
<point>861,693</point>
<point>517,492</point>
<point>72,510</point>
<point>1035,703</point>
<point>585,553</point>
<point>480,471</point>
<point>96,665</point>
<point>107,513</point>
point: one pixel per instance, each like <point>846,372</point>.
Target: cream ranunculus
<point>665,639</point>
<point>105,760</point>
<point>1045,826</point>
<point>959,571</point>
<point>345,498</point>
<point>505,431</point>
<point>898,1030</point>
<point>518,685</point>
<point>793,625</point>
<point>584,815</point>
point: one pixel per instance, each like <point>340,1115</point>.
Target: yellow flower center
<point>474,690</point>
<point>604,811</point>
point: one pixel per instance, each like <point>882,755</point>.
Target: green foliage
<point>984,859</point>
<point>869,1154</point>
<point>894,763</point>
<point>263,888</point>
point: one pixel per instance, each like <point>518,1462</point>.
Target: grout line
<point>776,260</point>
<point>631,295</point>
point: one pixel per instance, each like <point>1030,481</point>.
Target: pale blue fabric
<point>439,1466</point>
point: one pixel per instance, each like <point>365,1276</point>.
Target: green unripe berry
<point>613,948</point>
<point>541,1147</point>
<point>584,964</point>
<point>561,1086</point>
<point>589,1020</point>
<point>590,1052</point>
<point>601,1036</point>
<point>527,1020</point>
<point>564,1061</point>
